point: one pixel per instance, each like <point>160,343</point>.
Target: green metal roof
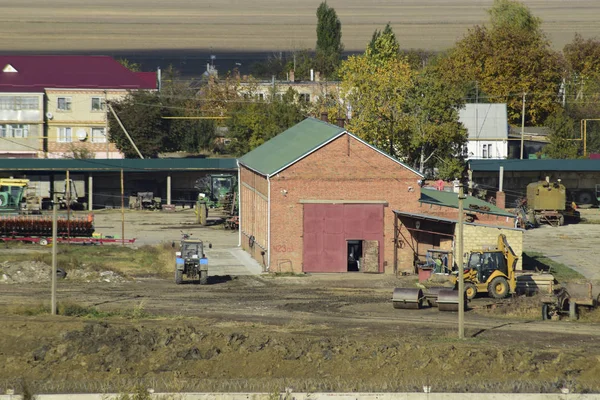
<point>450,199</point>
<point>535,165</point>
<point>127,165</point>
<point>290,146</point>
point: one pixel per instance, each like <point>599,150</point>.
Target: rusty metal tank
<point>546,195</point>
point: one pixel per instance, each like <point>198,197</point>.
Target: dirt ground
<point>324,332</point>
<point>259,25</point>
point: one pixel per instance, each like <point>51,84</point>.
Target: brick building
<point>318,199</point>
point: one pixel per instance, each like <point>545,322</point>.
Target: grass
<point>69,309</point>
<point>539,262</point>
<point>127,261</point>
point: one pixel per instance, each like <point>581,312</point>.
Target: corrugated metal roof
<point>296,143</point>
<point>449,220</point>
<point>38,72</point>
<point>128,165</point>
<point>542,165</point>
<point>290,146</point>
<point>485,120</point>
<point>450,199</point>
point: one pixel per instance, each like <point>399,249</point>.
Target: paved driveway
<point>577,246</point>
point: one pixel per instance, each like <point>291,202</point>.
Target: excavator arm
<point>511,260</point>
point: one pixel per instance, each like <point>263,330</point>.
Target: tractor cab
<point>11,193</point>
<point>486,262</point>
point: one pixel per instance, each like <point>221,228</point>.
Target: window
<point>19,103</point>
<point>14,131</point>
<point>489,150</point>
<point>64,104</point>
<point>98,135</point>
<point>305,97</point>
<point>261,96</point>
<point>65,135</point>
<point>484,153</point>
<point>98,104</point>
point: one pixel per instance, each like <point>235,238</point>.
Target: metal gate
<point>327,227</point>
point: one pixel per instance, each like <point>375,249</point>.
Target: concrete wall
<point>80,118</point>
<point>476,237</point>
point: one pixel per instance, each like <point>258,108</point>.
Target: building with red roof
<point>55,106</point>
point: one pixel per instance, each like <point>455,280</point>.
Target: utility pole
<point>54,240</point>
<point>523,125</point>
<point>459,262</point>
<point>122,210</point>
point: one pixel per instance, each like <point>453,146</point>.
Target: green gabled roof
<point>290,146</point>
<point>450,199</point>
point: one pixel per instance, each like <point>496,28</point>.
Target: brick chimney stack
<point>325,116</point>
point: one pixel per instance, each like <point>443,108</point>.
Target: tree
<point>141,113</point>
<point>508,59</point>
<point>254,122</point>
<point>329,40</point>
<point>383,46</point>
<point>376,90</point>
<point>130,65</point>
<point>436,135</point>
<point>561,137</point>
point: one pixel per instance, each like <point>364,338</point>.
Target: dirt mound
<point>21,272</point>
<point>24,272</point>
<point>201,357</point>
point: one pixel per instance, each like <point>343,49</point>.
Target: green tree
<point>514,15</point>
<point>130,65</point>
<point>141,113</point>
<point>436,135</point>
<point>508,59</point>
<point>329,40</point>
<point>254,122</point>
<point>383,46</point>
<point>562,130</point>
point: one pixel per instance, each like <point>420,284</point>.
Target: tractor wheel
<point>470,290</point>
<point>178,276</point>
<point>498,288</point>
<point>546,312</point>
<point>203,277</point>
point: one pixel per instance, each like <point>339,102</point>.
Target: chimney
<point>292,76</point>
<point>317,76</point>
<point>341,122</point>
<point>324,116</point>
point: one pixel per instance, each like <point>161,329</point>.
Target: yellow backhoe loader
<point>491,271</point>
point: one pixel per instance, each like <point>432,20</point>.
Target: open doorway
<point>355,254</point>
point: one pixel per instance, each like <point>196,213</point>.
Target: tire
<point>498,288</point>
<point>203,277</point>
<point>61,273</point>
<point>546,312</point>
<point>585,198</point>
<point>178,277</point>
<point>470,290</point>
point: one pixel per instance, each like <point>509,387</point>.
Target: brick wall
<point>476,237</point>
<point>254,213</point>
<point>345,169</point>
